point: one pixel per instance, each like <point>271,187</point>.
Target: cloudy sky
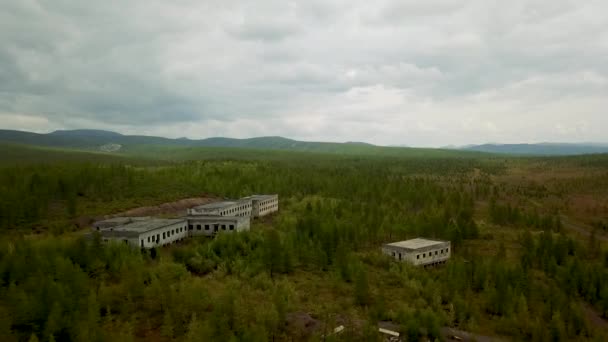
<point>418,73</point>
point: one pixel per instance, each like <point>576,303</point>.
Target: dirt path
<point>581,228</point>
<point>594,317</point>
<point>176,208</point>
<point>452,335</point>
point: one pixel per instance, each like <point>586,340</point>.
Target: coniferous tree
<point>362,290</point>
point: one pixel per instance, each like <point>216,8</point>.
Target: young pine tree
<point>362,292</point>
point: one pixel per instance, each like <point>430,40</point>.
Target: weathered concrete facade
<point>206,220</point>
<point>211,225</point>
<point>264,204</point>
<point>419,252</point>
<point>155,232</point>
<point>240,208</point>
<point>147,233</point>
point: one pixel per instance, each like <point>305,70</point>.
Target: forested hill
<point>91,139</point>
<point>542,149</point>
<point>105,141</point>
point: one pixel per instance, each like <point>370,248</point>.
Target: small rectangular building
<point>419,251</point>
<point>241,208</point>
<point>211,225</point>
<point>147,233</point>
<point>264,204</point>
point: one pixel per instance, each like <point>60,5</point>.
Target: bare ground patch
<point>174,208</point>
<point>594,317</point>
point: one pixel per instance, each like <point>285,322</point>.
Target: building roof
<point>216,218</point>
<point>147,225</point>
<point>261,197</point>
<point>122,219</point>
<point>220,205</point>
<point>415,244</point>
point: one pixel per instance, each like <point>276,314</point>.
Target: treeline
<point>41,193</point>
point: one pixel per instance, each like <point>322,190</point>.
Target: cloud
<point>427,73</point>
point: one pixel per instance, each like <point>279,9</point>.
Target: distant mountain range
<point>541,149</point>
<point>99,140</point>
<point>106,141</point>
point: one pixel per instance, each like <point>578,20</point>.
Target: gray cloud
<point>410,72</point>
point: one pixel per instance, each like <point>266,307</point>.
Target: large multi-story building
<point>420,252</point>
<point>155,232</point>
<point>207,220</point>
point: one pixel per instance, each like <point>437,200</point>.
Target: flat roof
<point>261,197</point>
<point>147,225</point>
<point>122,219</point>
<point>416,243</point>
<point>216,218</point>
<point>219,205</point>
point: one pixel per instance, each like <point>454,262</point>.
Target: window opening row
<point>208,227</point>
<point>430,254</point>
<point>166,234</point>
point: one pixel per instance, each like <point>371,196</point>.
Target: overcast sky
<point>418,73</point>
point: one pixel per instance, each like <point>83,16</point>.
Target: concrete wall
<point>265,206</point>
<point>424,256</point>
<point>240,209</point>
<point>131,241</point>
<point>163,236</point>
<point>209,226</point>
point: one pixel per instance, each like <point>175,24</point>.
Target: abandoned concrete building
<point>419,251</point>
<point>211,225</point>
<point>206,220</point>
<point>263,204</point>
<point>250,206</point>
<point>240,208</point>
<point>152,232</point>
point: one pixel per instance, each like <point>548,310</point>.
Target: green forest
<point>529,237</point>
